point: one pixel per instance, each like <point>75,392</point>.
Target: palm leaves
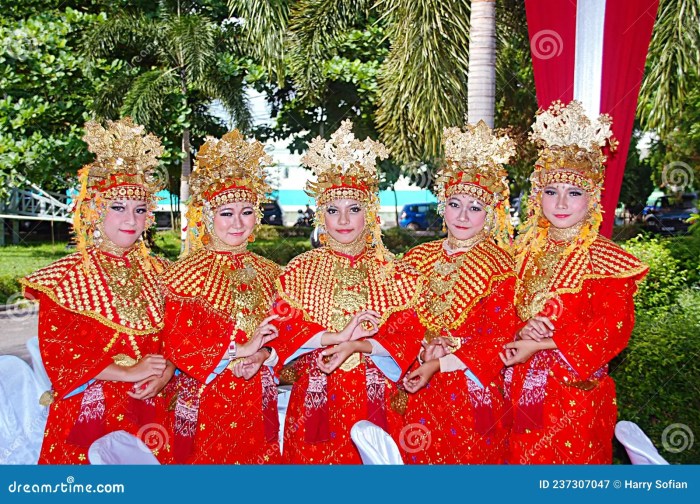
<point>423,80</point>
<point>176,55</point>
<point>674,53</point>
<point>422,84</point>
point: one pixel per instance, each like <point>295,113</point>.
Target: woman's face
<point>344,220</point>
<point>125,221</point>
<point>464,216</point>
<point>234,222</point>
<point>564,205</point>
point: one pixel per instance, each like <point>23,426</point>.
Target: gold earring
<point>251,238</point>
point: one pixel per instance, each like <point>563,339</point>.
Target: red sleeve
<point>74,347</point>
<point>595,324</point>
<point>294,330</point>
<point>401,336</point>
<point>195,339</point>
<point>490,325</point>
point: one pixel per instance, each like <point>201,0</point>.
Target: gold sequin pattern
<point>238,286</point>
<point>120,292</point>
<point>547,273</point>
<point>368,284</point>
<point>456,283</point>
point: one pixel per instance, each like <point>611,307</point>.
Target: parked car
<point>420,216</point>
<point>272,213</point>
<point>669,215</point>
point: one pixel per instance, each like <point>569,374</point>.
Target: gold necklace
<point>106,245</point>
<point>454,244</point>
<point>126,284</point>
<point>216,244</point>
<point>352,249</point>
<point>564,235</point>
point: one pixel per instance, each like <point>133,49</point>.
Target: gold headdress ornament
<point>125,168</point>
<point>474,159</point>
<point>570,147</point>
<point>346,168</point>
<point>227,170</point>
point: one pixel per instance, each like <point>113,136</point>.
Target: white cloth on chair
<point>22,418</point>
<point>376,447</point>
<point>639,447</point>
<point>120,448</point>
<point>38,363</point>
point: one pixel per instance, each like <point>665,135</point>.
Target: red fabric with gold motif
<point>321,290</point>
<point>564,404</point>
<point>209,297</point>
<point>89,319</point>
<point>470,298</point>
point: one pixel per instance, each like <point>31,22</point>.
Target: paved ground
<point>16,327</point>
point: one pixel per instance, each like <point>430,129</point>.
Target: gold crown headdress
<point>125,168</point>
<point>227,170</point>
<point>474,159</point>
<point>570,147</point>
<point>345,167</point>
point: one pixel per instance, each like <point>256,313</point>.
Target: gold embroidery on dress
<point>124,298</point>
<point>456,283</point>
<point>126,284</point>
<point>547,273</point>
<point>236,286</point>
<point>367,284</point>
<point>249,304</point>
<point>350,294</point>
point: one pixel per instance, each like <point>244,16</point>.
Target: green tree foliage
<point>46,95</point>
<point>176,58</point>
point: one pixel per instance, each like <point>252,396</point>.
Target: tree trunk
<point>481,96</point>
<point>185,182</point>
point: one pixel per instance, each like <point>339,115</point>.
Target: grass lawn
<point>17,261</point>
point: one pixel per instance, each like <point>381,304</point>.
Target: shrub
<point>658,377</point>
<point>399,240</point>
<point>686,249</point>
<point>666,278</point>
<point>280,251</point>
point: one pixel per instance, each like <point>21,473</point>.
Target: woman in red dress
<point>217,299</point>
<point>574,297</point>
<point>101,309</point>
<point>347,310</point>
<point>456,407</point>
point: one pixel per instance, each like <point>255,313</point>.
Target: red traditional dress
<point>563,399</point>
<point>321,290</point>
<point>213,298</point>
<point>91,316</point>
<point>469,300</point>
